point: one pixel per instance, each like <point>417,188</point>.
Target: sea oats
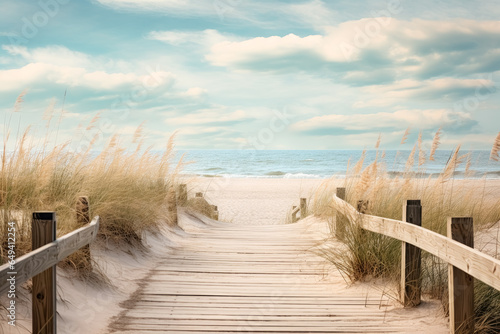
<point>19,101</point>
<point>451,166</point>
<point>435,144</point>
<point>496,147</point>
<point>411,159</point>
<point>405,136</point>
<point>421,152</point>
<point>138,133</point>
<point>93,121</point>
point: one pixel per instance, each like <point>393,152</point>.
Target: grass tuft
<point>128,188</point>
<point>365,254</point>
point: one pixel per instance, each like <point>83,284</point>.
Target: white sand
<point>255,201</point>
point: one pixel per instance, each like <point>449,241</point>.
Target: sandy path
<point>254,201</point>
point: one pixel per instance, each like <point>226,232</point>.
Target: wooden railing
<point>181,198</point>
<point>40,264</point>
<point>464,262</point>
<point>302,209</point>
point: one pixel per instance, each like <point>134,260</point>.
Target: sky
<point>239,74</point>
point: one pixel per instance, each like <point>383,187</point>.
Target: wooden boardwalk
<point>226,278</point>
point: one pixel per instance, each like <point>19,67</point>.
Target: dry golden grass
<point>368,254</point>
<point>130,189</point>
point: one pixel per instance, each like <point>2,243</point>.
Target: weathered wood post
<point>461,284</point>
<point>339,219</point>
<point>362,206</point>
<point>44,284</point>
<point>411,258</point>
<point>172,204</point>
<point>82,219</point>
<point>215,212</point>
<point>182,195</point>
<point>303,208</point>
<point>295,210</point>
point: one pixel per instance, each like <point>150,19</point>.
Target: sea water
<point>324,163</point>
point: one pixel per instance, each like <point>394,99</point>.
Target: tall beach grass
<point>365,254</point>
<point>131,189</point>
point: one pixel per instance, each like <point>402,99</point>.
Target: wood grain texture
<point>44,284</point>
<point>83,218</point>
<point>473,262</point>
<point>303,208</point>
<point>49,255</point>
<point>411,258</point>
<point>461,284</point>
<point>228,278</point>
<point>182,195</point>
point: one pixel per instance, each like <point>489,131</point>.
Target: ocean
<point>323,163</point>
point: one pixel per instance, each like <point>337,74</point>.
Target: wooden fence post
<point>461,284</point>
<point>411,257</point>
<point>294,213</point>
<point>44,284</point>
<point>362,206</point>
<point>339,219</point>
<point>303,208</point>
<point>82,219</point>
<point>215,212</point>
<point>172,204</point>
<point>182,195</point>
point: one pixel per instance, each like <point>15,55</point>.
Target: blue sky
<point>231,74</point>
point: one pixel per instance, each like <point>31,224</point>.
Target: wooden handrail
<point>43,258</point>
<point>475,263</point>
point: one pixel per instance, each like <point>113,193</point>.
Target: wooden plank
<point>469,260</point>
<point>461,284</point>
<point>411,257</point>
<point>252,327</point>
<point>263,280</point>
<point>37,261</point>
<point>44,284</point>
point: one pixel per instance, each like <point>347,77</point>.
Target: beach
<point>240,201</point>
<point>255,201</point>
<point>261,201</point>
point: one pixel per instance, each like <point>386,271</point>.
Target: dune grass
<point>130,189</point>
<point>366,254</point>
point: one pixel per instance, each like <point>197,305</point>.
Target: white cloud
<point>42,74</point>
<point>417,47</point>
<point>195,92</point>
<point>401,119</point>
<point>209,116</point>
<point>206,37</point>
<point>444,89</point>
<point>56,55</point>
<point>234,53</point>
